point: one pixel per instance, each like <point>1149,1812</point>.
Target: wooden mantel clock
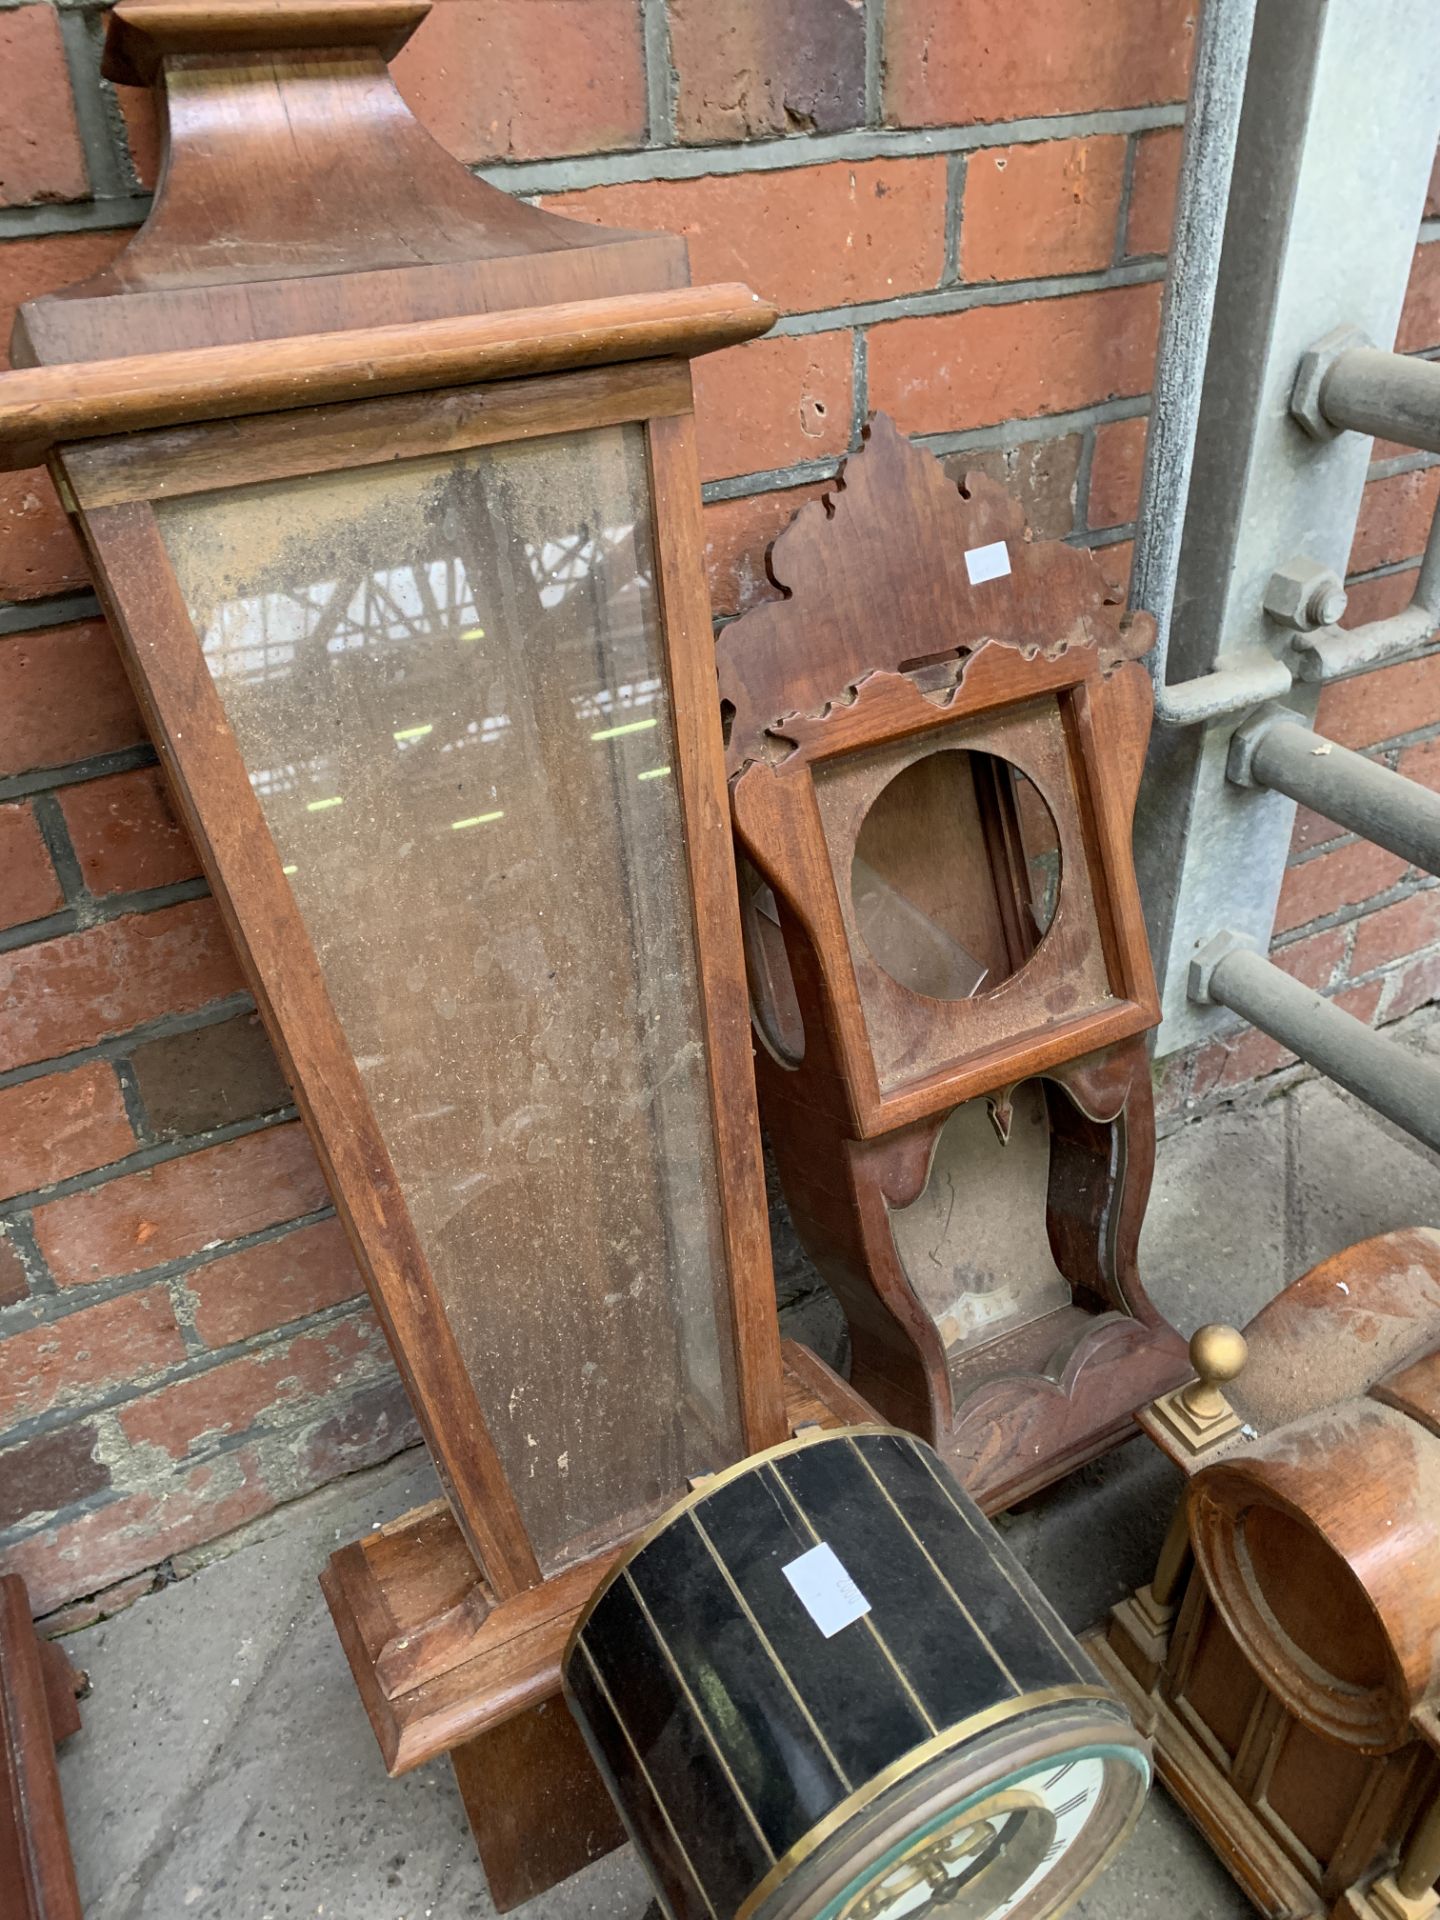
<point>1286,1655</point>
<point>934,743</point>
<point>390,491</point>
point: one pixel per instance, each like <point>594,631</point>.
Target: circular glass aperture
<point>1021,1849</point>
<point>956,873</point>
<point>969,1864</point>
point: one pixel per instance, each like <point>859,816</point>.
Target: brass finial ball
<point>1217,1353</point>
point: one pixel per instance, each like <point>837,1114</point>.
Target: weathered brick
<point>40,552</point>
<point>100,1606</point>
<point>1378,597</point>
<point>138,1530</point>
<point>951,371</point>
<point>32,267</point>
<point>1414,985</point>
<point>14,1281</point>
<point>1331,881</point>
<point>60,995</point>
<point>125,833</point>
<point>192,1416</point>
<point>375,1424</point>
<point>1040,473</point>
<point>63,697</point>
<point>517,79</point>
<point>1152,192</point>
<point>209,1077</point>
<point>806,238</point>
<point>966,60</point>
<point>772,403</point>
<point>50,1472</point>
<point>1378,706</point>
<point>267,1286</point>
<point>1116,472</point>
<point>1312,830</point>
<point>1420,316</point>
<point>749,70</point>
<point>1115,562</point>
<point>1395,516</point>
<point>29,888</point>
<point>40,153</point>
<point>171,1211</point>
<point>1237,1059</point>
<point>1039,209</point>
<point>737,535</point>
<point>1314,961</point>
<point>65,1124</point>
<point>64,1362</point>
<point>1393,933</point>
<point>1421,762</point>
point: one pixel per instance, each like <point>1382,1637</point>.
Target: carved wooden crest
<point>899,568</point>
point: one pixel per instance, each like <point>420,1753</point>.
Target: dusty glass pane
<point>446,680</point>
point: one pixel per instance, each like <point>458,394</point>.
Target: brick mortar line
<point>640,166</point>
<point>303,1414</point>
<point>1391,896</point>
<point>56,1419</point>
<point>45,780</point>
<point>660,76</point>
<point>89,911</point>
<point>52,610</point>
<point>65,1302</point>
<point>874,63</point>
<point>1413,462</point>
<point>1050,426</point>
<point>637,166</point>
<point>80,38</point>
<point>956,175</point>
<point>933,302</point>
<point>1120,253</point>
<point>143,1158</point>
<point>1192,1107</point>
<point>112,1045</point>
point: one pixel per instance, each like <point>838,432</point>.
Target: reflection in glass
<point>446,678</point>
<point>956,873</point>
<point>975,1244</point>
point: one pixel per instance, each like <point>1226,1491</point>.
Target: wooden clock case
<point>325,308</point>
<point>1286,1657</point>
<point>940,713</point>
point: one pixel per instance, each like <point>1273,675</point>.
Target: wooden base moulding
<point>442,1667</point>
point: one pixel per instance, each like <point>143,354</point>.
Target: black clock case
<point>759,1764</point>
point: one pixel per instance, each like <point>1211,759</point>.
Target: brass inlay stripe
<point>775,1660</point>
<point>660,1806</point>
<point>866,1619</point>
<point>971,1621</point>
<point>712,1483</point>
<point>702,1722</point>
<point>912,1762</point>
<point>1027,1600</point>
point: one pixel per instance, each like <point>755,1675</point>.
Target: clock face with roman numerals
<point>1016,1853</point>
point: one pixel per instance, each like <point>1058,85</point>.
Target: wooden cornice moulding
<point>43,407</point>
<point>144,32</point>
<point>300,195</point>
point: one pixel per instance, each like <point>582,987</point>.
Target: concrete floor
<point>226,1768</point>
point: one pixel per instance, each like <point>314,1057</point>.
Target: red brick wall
<point>961,207</point>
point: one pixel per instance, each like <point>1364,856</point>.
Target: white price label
<point>825,1589</point>
<point>987,563</point>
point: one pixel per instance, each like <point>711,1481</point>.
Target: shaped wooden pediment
<point>901,570</point>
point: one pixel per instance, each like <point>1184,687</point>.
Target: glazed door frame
<point>111,484</point>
